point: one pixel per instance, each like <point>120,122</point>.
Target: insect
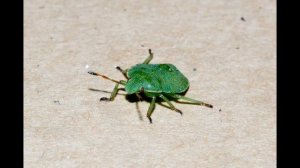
<point>154,81</point>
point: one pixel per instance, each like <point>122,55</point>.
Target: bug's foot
<point>119,68</point>
<point>150,120</point>
<point>209,105</point>
<point>105,99</point>
<point>179,111</point>
<point>150,51</point>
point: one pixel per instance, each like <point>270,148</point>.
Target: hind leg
<point>170,104</point>
<point>191,100</point>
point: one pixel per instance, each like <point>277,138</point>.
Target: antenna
<point>105,77</point>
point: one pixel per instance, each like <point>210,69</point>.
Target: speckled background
<point>226,48</point>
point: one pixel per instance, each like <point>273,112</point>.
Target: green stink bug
<point>153,81</point>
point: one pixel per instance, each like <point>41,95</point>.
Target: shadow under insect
<point>135,98</point>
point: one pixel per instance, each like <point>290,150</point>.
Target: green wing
<point>156,78</point>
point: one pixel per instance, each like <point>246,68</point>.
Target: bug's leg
<point>169,103</point>
<point>139,97</point>
<point>149,58</point>
<point>151,108</point>
<point>191,100</point>
<point>113,94</point>
<point>138,94</point>
<point>124,72</point>
<point>116,89</point>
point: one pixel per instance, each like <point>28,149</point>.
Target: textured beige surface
<point>235,61</point>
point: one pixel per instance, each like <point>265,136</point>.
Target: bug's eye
<point>170,69</point>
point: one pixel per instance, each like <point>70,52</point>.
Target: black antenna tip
<point>92,73</point>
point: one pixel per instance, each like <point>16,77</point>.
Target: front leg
<point>113,94</point>
<point>124,72</point>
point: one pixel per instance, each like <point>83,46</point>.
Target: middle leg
<point>150,109</point>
